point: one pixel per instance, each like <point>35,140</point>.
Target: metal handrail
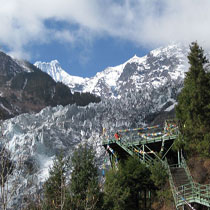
<point>188,193</point>
<point>187,170</point>
<point>191,192</point>
<point>171,182</point>
<point>143,157</point>
<point>137,140</point>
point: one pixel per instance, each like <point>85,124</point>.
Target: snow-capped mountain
<point>141,91</point>
<point>152,71</point>
<point>54,69</point>
<point>26,89</point>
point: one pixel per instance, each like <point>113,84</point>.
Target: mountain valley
<point>140,92</point>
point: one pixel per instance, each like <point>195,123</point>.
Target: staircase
<point>185,190</point>
<point>136,151</point>
<point>179,176</point>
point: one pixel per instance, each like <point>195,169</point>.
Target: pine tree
<point>125,187</point>
<point>84,183</point>
<point>55,186</point>
<point>193,109</point>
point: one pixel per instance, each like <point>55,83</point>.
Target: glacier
<point>133,95</point>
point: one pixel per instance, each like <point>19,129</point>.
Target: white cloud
<point>160,22</point>
<point>64,36</point>
<point>148,23</point>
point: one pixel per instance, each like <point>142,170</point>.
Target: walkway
<point>185,190</point>
<point>147,147</point>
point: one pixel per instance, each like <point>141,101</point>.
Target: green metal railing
<point>184,165</point>
<point>134,151</point>
<point>138,140</point>
<point>171,182</point>
<point>191,192</point>
<point>136,146</point>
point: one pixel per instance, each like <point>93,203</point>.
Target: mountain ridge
<point>25,88</point>
<point>148,88</point>
<point>133,73</point>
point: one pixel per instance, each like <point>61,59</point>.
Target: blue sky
<point>88,36</point>
<point>87,60</point>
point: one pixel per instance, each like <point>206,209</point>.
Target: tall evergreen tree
<point>125,187</point>
<point>84,183</point>
<point>193,109</point>
<point>55,192</point>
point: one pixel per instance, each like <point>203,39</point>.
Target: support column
<point>178,157</point>
<point>143,153</point>
<point>150,199</point>
<point>145,199</point>
<point>111,159</point>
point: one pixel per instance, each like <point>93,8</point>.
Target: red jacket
<point>117,136</point>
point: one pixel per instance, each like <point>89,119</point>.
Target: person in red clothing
<point>117,136</point>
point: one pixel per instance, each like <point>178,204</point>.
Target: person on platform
<point>117,136</point>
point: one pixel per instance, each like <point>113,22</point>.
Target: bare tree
<point>33,201</point>
<point>10,172</point>
<point>8,187</point>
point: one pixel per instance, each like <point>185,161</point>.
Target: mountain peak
<point>135,59</point>
<point>161,65</point>
<point>44,66</point>
<point>53,68</point>
<point>55,63</point>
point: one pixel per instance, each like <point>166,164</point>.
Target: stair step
<point>179,176</point>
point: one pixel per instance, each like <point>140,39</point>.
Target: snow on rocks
<point>139,88</point>
<point>156,69</point>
